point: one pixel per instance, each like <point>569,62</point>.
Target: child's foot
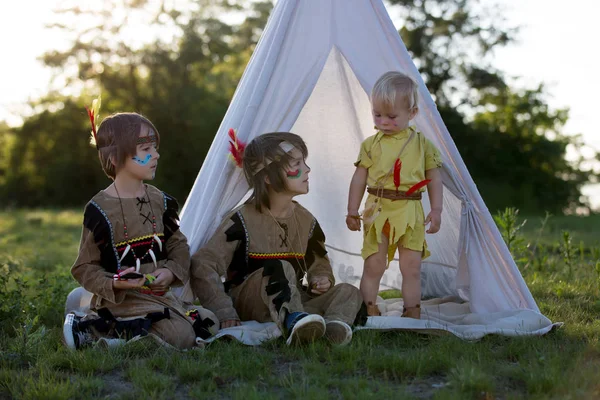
<point>338,332</point>
<point>304,328</point>
<point>373,310</point>
<point>75,337</point>
<point>412,312</point>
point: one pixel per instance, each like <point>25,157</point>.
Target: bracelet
<point>353,216</point>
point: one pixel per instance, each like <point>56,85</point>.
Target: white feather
<point>153,258</point>
<point>158,241</point>
<point>125,252</point>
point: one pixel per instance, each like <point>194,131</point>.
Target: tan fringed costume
<point>264,260</point>
<point>103,243</point>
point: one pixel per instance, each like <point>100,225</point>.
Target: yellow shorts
<point>402,230</point>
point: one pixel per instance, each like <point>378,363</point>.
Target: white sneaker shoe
<point>338,332</point>
<point>306,328</point>
<point>76,338</point>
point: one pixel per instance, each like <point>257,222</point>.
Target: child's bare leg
<point>410,267</point>
<point>374,268</point>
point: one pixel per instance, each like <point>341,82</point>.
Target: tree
<point>185,70</point>
<point>519,156</point>
<point>451,43</point>
<point>6,143</point>
<point>183,79</point>
<point>48,161</point>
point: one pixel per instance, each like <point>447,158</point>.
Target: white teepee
<point>310,74</point>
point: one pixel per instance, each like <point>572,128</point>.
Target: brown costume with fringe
<point>101,248</point>
<point>264,260</point>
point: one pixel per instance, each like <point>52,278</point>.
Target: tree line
<point>183,75</point>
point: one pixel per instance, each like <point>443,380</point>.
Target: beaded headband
<point>93,113</point>
<point>285,146</point>
<point>147,139</point>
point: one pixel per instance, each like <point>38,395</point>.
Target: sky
<point>24,39</point>
<point>555,46</point>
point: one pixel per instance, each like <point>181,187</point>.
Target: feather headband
<point>237,148</point>
<point>93,113</point>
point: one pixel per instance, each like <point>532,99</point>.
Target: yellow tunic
<point>378,153</point>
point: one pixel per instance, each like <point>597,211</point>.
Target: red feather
<point>236,155</point>
<point>236,148</point>
<point>92,120</point>
<point>397,168</point>
<point>418,186</point>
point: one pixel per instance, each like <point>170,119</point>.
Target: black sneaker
<point>304,328</point>
<point>75,337</point>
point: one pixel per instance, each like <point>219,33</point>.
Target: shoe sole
<point>68,332</point>
<point>346,340</point>
<point>308,329</point>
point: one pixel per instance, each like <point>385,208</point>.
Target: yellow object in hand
<point>149,279</point>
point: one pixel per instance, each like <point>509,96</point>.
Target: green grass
<point>583,229</point>
<point>37,248</point>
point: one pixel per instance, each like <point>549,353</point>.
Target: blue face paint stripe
<point>140,161</point>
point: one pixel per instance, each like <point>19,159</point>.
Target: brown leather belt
<point>391,194</point>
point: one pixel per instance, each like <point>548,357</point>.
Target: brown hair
<point>264,158</point>
<point>117,139</point>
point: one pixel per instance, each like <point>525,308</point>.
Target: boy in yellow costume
<point>395,165</point>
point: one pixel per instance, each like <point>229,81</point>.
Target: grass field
<point>561,269</point>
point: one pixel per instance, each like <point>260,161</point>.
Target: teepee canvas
<point>311,74</point>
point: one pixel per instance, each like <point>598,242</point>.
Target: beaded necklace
<point>155,237</point>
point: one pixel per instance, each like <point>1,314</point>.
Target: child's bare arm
<point>435,190</point>
<point>355,195</point>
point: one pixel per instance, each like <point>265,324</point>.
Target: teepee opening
<point>333,122</point>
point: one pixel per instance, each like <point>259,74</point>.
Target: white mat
<point>438,316</point>
<point>447,315</point>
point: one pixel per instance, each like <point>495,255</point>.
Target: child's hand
<point>129,283</point>
<point>319,284</point>
<point>435,218</point>
<point>164,278</point>
<point>353,222</point>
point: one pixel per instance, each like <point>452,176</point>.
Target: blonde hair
<point>394,83</point>
<point>117,140</point>
<point>264,157</point>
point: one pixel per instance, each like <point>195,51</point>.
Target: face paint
<point>140,161</point>
<point>294,174</point>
